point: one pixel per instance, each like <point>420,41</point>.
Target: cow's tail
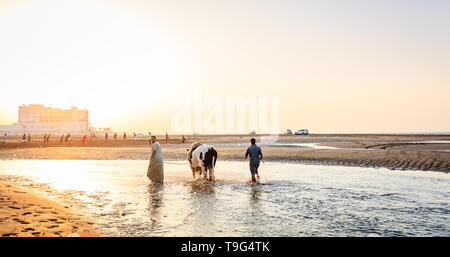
<point>214,157</point>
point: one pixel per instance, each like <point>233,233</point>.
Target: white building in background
<point>38,119</point>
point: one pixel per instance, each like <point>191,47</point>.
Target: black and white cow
<point>202,158</point>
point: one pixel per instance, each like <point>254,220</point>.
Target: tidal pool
<point>293,200</point>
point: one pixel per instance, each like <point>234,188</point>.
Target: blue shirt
<point>254,151</point>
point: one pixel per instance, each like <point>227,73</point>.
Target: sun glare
<point>86,54</point>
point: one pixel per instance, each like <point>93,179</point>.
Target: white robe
<point>155,170</point>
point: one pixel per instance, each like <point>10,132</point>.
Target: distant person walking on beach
<point>255,156</point>
<point>29,138</point>
<point>183,139</point>
<point>134,134</point>
<point>106,136</point>
<point>61,139</point>
<point>84,139</point>
<point>155,170</point>
<point>4,138</point>
<point>150,138</point>
<point>167,137</point>
<point>24,137</point>
<point>124,136</point>
<point>48,138</point>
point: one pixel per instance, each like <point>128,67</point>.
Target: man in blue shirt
<point>255,156</point>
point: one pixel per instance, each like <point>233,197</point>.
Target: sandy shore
<point>24,213</point>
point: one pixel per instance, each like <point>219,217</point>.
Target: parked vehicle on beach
<point>288,132</point>
<point>302,132</point>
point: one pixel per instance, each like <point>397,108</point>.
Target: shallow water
<point>294,199</point>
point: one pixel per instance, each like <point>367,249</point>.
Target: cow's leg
<point>193,172</point>
<point>205,173</point>
<point>199,170</point>
<point>211,174</point>
<point>211,170</point>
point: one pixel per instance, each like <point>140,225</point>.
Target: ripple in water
<point>293,200</point>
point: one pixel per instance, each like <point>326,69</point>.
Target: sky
<point>332,66</point>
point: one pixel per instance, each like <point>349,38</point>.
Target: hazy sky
<point>335,66</point>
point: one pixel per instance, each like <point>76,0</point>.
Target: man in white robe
<point>155,170</point>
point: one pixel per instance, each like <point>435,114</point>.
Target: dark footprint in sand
<point>14,207</point>
<point>20,221</point>
<point>28,229</point>
<point>10,234</point>
<point>36,233</point>
<point>27,213</point>
<point>53,226</point>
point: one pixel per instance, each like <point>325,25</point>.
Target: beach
<point>293,199</point>
<point>413,152</point>
<point>24,213</point>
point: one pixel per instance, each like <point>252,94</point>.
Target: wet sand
<point>23,213</point>
<point>389,151</point>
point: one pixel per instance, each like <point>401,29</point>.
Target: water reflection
<point>155,202</point>
<point>204,212</point>
<point>255,191</point>
<point>255,200</point>
<point>306,200</point>
<point>201,186</point>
